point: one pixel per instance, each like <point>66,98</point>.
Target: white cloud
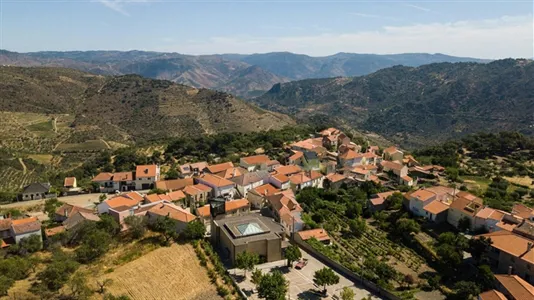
<point>118,5</point>
<point>418,7</point>
<point>508,36</point>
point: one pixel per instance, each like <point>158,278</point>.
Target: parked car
<point>301,264</point>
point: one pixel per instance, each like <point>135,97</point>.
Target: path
<point>54,124</point>
<point>85,200</point>
<point>24,169</point>
<point>106,143</point>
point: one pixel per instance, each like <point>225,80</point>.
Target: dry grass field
<point>524,181</point>
<point>166,273</point>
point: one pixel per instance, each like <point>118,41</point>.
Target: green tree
<point>31,244</point>
<point>51,205</point>
<point>347,293</point>
<point>102,197</point>
<point>5,284</point>
<point>464,224</point>
<point>246,261</point>
<point>94,245</point>
<point>78,286</point>
<point>273,286</point>
<point>136,226</point>
<point>57,272</point>
<point>166,227</point>
<point>325,277</point>
<point>394,201</point>
<point>405,226</point>
<point>292,253</point>
<point>157,191</point>
<point>465,290</point>
<point>256,276</point>
<point>479,247</point>
<point>108,224</point>
<point>172,174</point>
<point>195,230</point>
<point>485,278</point>
<point>357,226</point>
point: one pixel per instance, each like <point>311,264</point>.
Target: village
<point>253,207</point>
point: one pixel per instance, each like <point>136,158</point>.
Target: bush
<point>5,284</point>
<point>222,291</point>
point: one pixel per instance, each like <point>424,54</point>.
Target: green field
<point>41,126</point>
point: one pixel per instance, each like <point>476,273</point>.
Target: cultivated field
<point>166,273</point>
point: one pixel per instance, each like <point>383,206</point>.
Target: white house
<point>256,162</point>
<point>221,187</point>
<point>24,228</point>
<point>280,181</point>
<point>120,181</point>
<point>419,199</point>
<point>146,176</point>
<point>249,181</point>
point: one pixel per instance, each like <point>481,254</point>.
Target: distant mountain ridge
<point>418,106</point>
<point>225,72</point>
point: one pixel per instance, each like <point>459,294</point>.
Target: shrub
<point>222,291</point>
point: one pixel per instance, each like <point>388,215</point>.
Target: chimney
<point>510,270</point>
<point>233,173</point>
<point>66,213</point>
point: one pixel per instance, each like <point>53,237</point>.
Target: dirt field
<point>166,273</point>
<point>524,181</point>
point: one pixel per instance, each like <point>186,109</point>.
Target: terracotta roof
<point>174,184</point>
<point>5,224</point>
<point>319,234</point>
<point>308,144</point>
<point>71,209</point>
<point>506,226</point>
<point>469,207</point>
<point>422,195</point>
<point>256,159</point>
<point>283,202</point>
<point>522,211</point>
<point>152,198</point>
<point>360,171</point>
<point>469,197</point>
<point>26,225</point>
<point>379,198</point>
<point>435,207</point>
<point>220,167</point>
<point>134,196</point>
<point>407,178</point>
<point>391,165</point>
<point>173,211</point>
<point>490,213</point>
<point>235,204</point>
<point>176,195</point>
<point>299,178</point>
<point>512,244</point>
<point>188,168</point>
<point>231,172</point>
<point>53,231</point>
<point>121,201</point>
<point>266,190</point>
<point>105,176</point>
<point>216,180</point>
<point>518,288</point>
<point>146,171</point>
<point>288,170</point>
<point>69,181</point>
<point>280,178</point>
<point>335,177</point>
<point>204,211</point>
<point>491,295</point>
<point>3,244</point>
<point>391,150</point>
<point>296,155</point>
<point>123,176</point>
<point>89,216</point>
<point>314,175</point>
<point>273,162</point>
<point>196,189</point>
<point>350,154</point>
<point>369,155</point>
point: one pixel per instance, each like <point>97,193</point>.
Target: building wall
<point>33,196</point>
<point>140,181</point>
<point>4,234</point>
<point>103,208</point>
<point>256,201</point>
<point>245,189</point>
<point>416,206</point>
<point>25,235</point>
<point>519,266</point>
<point>455,215</point>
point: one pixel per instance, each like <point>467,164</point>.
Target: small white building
<point>146,176</point>
<point>220,187</point>
<point>249,181</point>
<point>254,163</point>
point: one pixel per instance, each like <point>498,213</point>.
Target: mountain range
<point>417,106</point>
<point>246,76</point>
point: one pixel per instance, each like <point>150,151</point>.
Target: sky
<point>482,29</point>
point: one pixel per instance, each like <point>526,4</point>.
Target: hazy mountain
<point>226,72</point>
<point>419,105</point>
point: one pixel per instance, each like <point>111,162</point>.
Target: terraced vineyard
<point>12,180</point>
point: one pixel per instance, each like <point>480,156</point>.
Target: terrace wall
<point>357,279</point>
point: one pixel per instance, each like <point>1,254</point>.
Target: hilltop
<point>70,106</point>
<point>246,76</point>
<point>417,106</point>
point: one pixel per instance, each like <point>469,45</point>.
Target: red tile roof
<point>266,190</point>
<point>26,225</point>
<point>435,207</point>
<point>379,198</point>
<point>335,177</point>
<point>204,211</point>
<point>319,234</point>
<point>216,180</point>
<point>174,184</point>
<point>350,154</point>
<point>105,176</point>
<point>492,295</point>
<point>235,204</point>
<point>196,189</point>
<point>518,288</point>
<point>176,195</point>
<point>220,167</point>
<point>156,198</point>
<point>123,176</point>
<point>299,178</point>
<point>146,171</point>
<point>287,170</point>
<point>53,231</point>
<point>296,156</point>
<point>280,178</point>
<point>173,211</point>
<point>256,159</point>
<point>121,201</point>
<point>69,181</point>
<point>71,209</point>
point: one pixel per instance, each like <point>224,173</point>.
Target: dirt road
<point>85,200</point>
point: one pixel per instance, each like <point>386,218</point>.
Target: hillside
<point>418,106</point>
<point>69,106</point>
<point>243,75</point>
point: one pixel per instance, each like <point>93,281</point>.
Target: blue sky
<point>485,29</point>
